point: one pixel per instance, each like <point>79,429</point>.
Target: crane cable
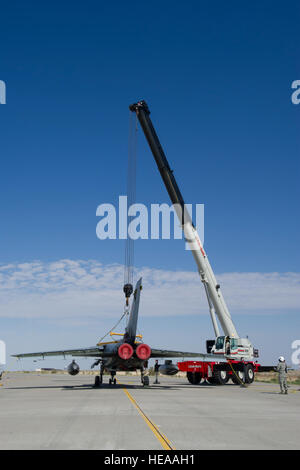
<point>113,328</point>
<point>131,195</point>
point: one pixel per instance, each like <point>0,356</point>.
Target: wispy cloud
<point>85,289</point>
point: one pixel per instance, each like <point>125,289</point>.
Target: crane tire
<point>194,377</point>
<point>249,374</point>
<point>211,380</point>
<point>235,380</point>
<point>220,377</point>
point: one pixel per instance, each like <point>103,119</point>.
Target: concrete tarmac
<point>55,411</point>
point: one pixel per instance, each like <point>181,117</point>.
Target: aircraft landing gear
<point>113,380</point>
<point>99,378</point>
<point>97,381</point>
<point>144,379</point>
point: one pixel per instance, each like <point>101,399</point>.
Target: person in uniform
<point>156,369</point>
<point>282,375</point>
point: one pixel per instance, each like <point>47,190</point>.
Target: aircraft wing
<point>94,351</point>
<point>156,353</point>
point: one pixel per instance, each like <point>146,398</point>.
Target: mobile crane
<point>238,352</point>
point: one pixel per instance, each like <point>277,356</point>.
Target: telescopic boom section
<point>212,288</point>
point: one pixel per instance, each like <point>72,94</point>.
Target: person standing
<point>156,370</point>
<point>282,375</point>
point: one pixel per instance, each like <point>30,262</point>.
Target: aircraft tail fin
<point>130,331</point>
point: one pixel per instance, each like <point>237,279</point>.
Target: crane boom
<point>214,295</point>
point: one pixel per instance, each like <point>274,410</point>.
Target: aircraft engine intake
<point>125,351</point>
<point>73,368</point>
<point>143,351</point>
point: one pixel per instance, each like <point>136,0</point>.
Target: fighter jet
<point>126,354</point>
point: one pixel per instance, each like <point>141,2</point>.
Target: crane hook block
<point>127,289</point>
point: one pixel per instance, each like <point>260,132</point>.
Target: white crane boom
<point>230,344</point>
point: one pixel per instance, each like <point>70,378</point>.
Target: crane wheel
<point>237,377</point>
<point>249,374</point>
<point>211,380</point>
<point>234,379</point>
<point>220,377</point>
<point>194,377</point>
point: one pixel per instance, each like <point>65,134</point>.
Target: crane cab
<point>234,348</point>
<point>224,345</point>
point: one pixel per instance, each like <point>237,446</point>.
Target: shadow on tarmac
<point>106,386</point>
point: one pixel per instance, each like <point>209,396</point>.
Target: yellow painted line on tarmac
<point>164,441</point>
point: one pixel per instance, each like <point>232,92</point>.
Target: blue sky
<point>217,78</point>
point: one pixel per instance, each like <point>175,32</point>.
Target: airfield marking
<point>166,444</point>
